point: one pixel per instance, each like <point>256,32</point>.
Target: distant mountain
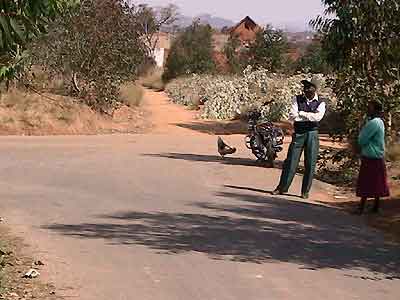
<point>215,22</point>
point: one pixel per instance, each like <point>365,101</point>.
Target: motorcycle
<point>264,139</point>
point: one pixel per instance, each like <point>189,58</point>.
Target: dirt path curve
<point>161,217</point>
<point>166,116</point>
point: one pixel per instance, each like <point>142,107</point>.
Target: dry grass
<point>16,99</point>
<point>66,116</point>
<point>43,81</point>
<point>153,79</point>
<point>131,94</point>
<point>24,113</point>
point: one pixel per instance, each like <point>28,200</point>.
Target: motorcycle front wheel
<point>258,149</point>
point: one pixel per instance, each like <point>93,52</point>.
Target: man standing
<point>306,112</point>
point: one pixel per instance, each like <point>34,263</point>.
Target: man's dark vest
<point>303,105</point>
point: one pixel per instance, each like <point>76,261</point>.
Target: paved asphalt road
<point>161,217</point>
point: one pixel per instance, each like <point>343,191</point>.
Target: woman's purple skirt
<point>372,180</point>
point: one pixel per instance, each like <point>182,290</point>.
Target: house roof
<point>245,30</point>
<point>249,24</point>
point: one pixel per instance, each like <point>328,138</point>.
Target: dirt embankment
<point>47,114</point>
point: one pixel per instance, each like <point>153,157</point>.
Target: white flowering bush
<point>185,90</point>
<point>227,97</point>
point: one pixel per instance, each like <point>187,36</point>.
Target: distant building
<point>163,42</point>
<point>159,57</point>
<point>246,31</point>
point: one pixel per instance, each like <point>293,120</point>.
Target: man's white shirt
<point>299,116</point>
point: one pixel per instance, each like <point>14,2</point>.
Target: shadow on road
<point>251,228</point>
<point>242,188</point>
<point>228,127</point>
<point>214,159</point>
<point>216,127</point>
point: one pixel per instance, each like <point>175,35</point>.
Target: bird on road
<point>224,149</point>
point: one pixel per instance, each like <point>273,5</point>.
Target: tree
<point>100,45</point>
<point>234,55</point>
<point>152,20</point>
<point>268,49</point>
<point>362,45</point>
<point>191,52</point>
<point>20,22</point>
<point>314,59</point>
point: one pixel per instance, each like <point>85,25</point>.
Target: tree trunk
<point>389,127</point>
<point>75,83</point>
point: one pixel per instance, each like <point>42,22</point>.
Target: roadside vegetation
<point>58,72</point>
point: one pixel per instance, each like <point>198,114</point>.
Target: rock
<point>38,263</point>
<point>13,295</point>
<point>32,273</point>
<point>5,253</point>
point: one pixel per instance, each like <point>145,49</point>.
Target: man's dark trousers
<point>309,141</point>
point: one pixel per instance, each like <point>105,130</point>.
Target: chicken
<point>224,149</point>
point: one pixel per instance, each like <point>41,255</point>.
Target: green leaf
<point>17,29</point>
<point>5,28</point>
<point>1,41</point>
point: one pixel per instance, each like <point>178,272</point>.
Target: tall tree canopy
<point>361,41</point>
<point>20,21</point>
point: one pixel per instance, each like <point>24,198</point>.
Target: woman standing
<point>372,180</point>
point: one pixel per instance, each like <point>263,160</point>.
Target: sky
<point>277,12</point>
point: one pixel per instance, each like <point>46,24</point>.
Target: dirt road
<point>161,217</point>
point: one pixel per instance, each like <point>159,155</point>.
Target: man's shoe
<point>305,196</point>
<point>277,192</point>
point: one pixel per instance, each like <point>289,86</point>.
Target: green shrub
<point>268,49</point>
<point>191,52</point>
<point>314,60</point>
<point>101,45</point>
